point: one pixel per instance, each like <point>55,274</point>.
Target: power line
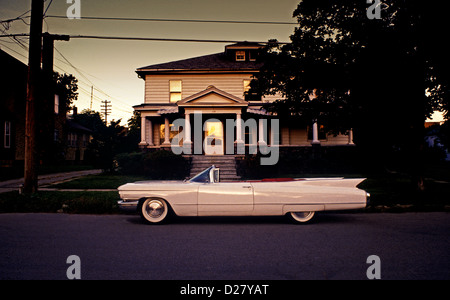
<point>162,39</point>
<point>148,39</point>
<point>179,20</point>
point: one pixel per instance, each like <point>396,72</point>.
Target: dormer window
<point>240,55</point>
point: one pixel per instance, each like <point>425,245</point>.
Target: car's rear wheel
<point>154,211</point>
<point>302,217</point>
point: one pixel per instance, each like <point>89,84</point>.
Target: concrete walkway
<point>44,180</point>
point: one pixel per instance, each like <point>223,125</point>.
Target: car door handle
<point>246,187</point>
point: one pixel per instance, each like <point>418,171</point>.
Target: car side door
<point>225,199</point>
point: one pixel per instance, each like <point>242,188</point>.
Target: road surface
<point>335,246</point>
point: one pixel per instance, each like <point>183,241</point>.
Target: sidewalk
<point>43,180</point>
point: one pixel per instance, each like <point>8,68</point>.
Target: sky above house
<point>109,65</point>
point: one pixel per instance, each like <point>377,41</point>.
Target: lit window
<point>240,55</point>
<point>56,104</point>
<point>175,90</point>
<point>176,134</point>
<point>7,136</point>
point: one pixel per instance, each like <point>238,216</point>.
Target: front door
<point>213,143</point>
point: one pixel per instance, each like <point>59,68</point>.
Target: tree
<point>66,88</point>
<point>382,77</point>
<point>107,141</point>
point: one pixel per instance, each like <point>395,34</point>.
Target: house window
<point>175,90</point>
<point>72,139</point>
<point>56,135</point>
<point>7,136</point>
<point>240,55</point>
<point>56,104</point>
<point>175,134</point>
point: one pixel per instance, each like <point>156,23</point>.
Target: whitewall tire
<point>302,217</point>
<point>154,211</point>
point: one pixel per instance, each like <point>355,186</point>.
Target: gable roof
<point>212,90</point>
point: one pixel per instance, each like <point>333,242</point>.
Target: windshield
<point>202,176</point>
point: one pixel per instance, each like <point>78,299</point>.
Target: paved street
<point>335,246</point>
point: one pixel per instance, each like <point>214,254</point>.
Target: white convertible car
<point>205,195</point>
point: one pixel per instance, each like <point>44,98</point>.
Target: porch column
<point>239,129</point>
<point>166,132</point>
<point>143,142</point>
<point>187,142</point>
<point>350,137</point>
<point>239,143</point>
<point>315,140</point>
<point>150,132</point>
<point>262,135</point>
<point>187,129</point>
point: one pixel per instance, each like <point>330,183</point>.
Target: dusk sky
<point>110,65</point>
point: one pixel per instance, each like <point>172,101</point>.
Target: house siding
<point>157,86</point>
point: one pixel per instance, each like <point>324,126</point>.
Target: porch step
<point>226,163</point>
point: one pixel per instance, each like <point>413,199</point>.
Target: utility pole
<point>107,110</point>
<point>34,69</point>
<point>46,115</point>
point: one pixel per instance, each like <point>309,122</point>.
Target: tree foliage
<point>66,86</point>
<point>382,77</point>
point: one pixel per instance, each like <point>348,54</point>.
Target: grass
<point>102,181</point>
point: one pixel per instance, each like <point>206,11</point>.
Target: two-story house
<point>205,93</point>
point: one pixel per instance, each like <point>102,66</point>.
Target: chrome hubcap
<point>154,209</point>
<point>302,215</point>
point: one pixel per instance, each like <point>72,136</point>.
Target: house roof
<point>218,61</point>
<point>74,126</point>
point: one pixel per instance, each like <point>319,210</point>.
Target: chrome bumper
<point>127,205</point>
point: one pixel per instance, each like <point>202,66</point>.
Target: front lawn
<point>102,181</point>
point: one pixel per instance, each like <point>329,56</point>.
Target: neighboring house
<point>70,138</point>
<point>216,87</point>
<point>13,93</point>
<point>78,138</point>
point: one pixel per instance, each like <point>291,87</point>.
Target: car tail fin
<point>335,182</point>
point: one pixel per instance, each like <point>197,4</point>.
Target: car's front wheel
<point>302,217</point>
<point>154,211</point>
